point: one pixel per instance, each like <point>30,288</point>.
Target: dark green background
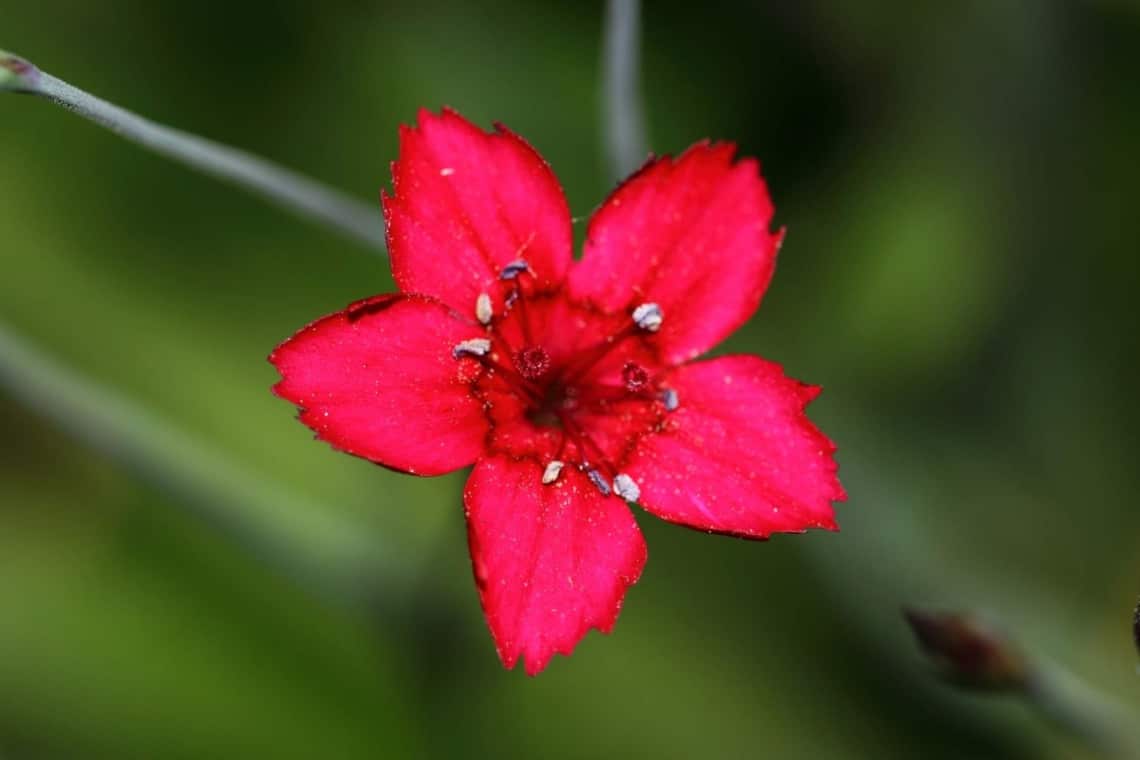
<point>958,180</point>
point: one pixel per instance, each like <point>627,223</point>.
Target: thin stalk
<point>1088,715</point>
<point>305,197</point>
<point>624,121</point>
<point>302,540</point>
<point>975,655</point>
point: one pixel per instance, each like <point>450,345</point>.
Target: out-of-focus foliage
<point>956,179</point>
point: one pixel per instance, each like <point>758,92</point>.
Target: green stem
<point>1092,717</point>
<point>624,127</point>
<point>300,539</point>
<point>301,195</point>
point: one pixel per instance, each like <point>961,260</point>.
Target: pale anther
<point>514,269</point>
<point>552,471</point>
<point>483,309</point>
<point>648,316</point>
<point>472,347</point>
<point>669,398</point>
<point>626,488</point>
<point>598,481</point>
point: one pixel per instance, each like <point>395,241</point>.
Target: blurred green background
<point>956,180</point>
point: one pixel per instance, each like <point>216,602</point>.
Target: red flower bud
<point>1136,626</point>
<point>969,651</point>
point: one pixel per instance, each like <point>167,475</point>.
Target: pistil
<point>532,362</point>
<point>515,272</point>
<point>584,443</point>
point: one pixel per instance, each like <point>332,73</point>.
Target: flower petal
<point>690,235</point>
<point>739,455</point>
<point>551,561</point>
<point>378,380</point>
<point>465,203</point>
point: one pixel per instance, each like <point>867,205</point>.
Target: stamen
<point>525,388</point>
<point>514,269</point>
<point>648,317</point>
<point>634,376</point>
<point>586,445</point>
<point>626,488</point>
<point>598,481</point>
<point>602,397</point>
<point>592,356</point>
<point>517,296</point>
<point>552,471</point>
<point>483,309</point>
<point>669,397</point>
<point>472,347</point>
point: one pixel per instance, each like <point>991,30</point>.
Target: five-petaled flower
<point>568,383</point>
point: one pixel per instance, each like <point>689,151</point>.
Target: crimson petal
<point>551,561</point>
<point>738,456</point>
<point>378,380</point>
<point>690,235</point>
<point>466,203</point>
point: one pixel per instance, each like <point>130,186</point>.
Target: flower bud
<point>1136,626</point>
<point>969,651</point>
<point>16,73</point>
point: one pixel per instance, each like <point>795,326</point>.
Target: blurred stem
<point>975,655</point>
<point>301,540</point>
<point>624,128</point>
<point>301,195</point>
<point>1088,715</point>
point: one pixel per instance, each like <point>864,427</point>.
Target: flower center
<point>563,397</point>
<point>547,411</point>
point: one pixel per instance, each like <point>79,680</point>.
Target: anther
<point>598,481</point>
<point>483,311</point>
<point>472,347</point>
<point>648,317</point>
<point>634,377</point>
<point>669,398</point>
<point>552,471</point>
<point>626,488</point>
<point>514,269</point>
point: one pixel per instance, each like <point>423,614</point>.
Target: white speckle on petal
<point>446,171</point>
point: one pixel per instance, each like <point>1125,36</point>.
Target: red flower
<point>568,383</point>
